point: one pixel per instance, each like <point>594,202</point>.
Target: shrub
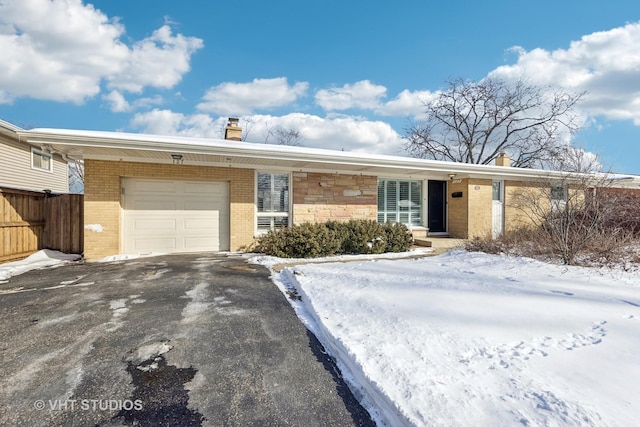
<point>352,237</point>
<point>364,237</point>
<point>300,241</point>
<point>399,237</point>
<point>342,232</point>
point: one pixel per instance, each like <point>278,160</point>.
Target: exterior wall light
<point>177,159</point>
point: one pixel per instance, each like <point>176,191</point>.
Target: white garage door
<point>175,216</point>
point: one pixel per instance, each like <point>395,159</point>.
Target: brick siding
<point>102,201</point>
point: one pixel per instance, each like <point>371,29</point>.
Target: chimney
<point>232,131</point>
<point>503,160</point>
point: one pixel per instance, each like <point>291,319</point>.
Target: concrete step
<point>419,232</point>
<point>421,241</point>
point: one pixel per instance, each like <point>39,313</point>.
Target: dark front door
<point>437,207</point>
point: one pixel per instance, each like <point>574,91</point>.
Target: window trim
<point>35,151</point>
<point>558,204</point>
<point>422,207</point>
<point>288,214</point>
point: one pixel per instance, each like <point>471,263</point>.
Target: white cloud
<point>62,50</point>
<point>407,103</point>
<point>231,98</point>
<point>606,64</point>
<point>362,94</point>
<point>159,61</point>
<point>337,133</point>
<point>118,104</point>
<point>166,122</point>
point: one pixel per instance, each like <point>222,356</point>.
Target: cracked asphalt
<point>185,340</point>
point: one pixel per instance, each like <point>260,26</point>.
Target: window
<point>559,197</point>
<point>496,193</point>
<point>272,201</point>
<point>400,201</point>
<point>41,160</point>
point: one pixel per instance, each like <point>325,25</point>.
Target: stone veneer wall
<point>320,197</point>
<point>102,199</point>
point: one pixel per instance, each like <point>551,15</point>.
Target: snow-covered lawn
<point>470,339</point>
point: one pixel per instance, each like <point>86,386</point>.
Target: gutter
<point>308,156</point>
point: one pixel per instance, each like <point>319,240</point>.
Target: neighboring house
<point>147,193</point>
<point>26,166</point>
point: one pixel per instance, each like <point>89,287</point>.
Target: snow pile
<point>125,257</point>
<point>270,261</point>
<point>97,228</point>
<point>474,339</point>
<point>40,259</point>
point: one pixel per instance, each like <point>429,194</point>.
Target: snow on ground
<point>270,261</point>
<point>466,339</point>
<point>40,259</point>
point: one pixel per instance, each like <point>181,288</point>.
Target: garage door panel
<point>154,187</point>
<point>193,216</point>
<point>203,188</point>
<point>142,245</point>
<point>155,224</point>
<point>199,244</point>
<point>201,204</point>
<point>200,224</point>
<point>154,205</point>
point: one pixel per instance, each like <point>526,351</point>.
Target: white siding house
<point>29,167</point>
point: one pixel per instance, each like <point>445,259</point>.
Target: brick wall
<point>480,208</point>
<point>102,201</point>
<point>470,215</point>
<point>319,197</point>
<point>458,209</point>
<point>516,195</point>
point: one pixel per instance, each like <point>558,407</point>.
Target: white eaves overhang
<point>118,146</point>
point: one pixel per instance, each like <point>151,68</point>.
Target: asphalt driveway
<point>188,340</point>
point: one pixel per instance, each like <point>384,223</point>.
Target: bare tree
<point>76,176</point>
<point>473,122</point>
<point>282,136</point>
<point>578,212</point>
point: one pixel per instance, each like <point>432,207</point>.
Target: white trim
<point>42,153</point>
<point>494,203</point>
<point>295,158</point>
<point>256,214</point>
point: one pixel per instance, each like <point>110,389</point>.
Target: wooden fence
<point>30,221</point>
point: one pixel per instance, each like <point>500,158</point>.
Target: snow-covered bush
<point>356,236</point>
<point>399,237</point>
<point>300,241</point>
<point>364,237</point>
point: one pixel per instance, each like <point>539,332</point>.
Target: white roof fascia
<point>9,129</point>
<point>221,147</point>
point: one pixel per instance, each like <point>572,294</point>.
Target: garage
<point>171,216</point>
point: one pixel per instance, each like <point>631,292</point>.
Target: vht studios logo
<point>88,405</point>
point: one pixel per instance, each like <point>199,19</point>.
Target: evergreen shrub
<point>356,236</point>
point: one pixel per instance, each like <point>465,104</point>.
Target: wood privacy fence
<point>30,221</point>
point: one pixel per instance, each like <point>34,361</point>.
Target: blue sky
<point>347,75</point>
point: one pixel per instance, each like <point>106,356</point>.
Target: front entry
<point>437,206</point>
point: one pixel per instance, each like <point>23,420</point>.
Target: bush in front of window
<point>300,241</point>
<point>311,240</point>
<point>364,237</point>
<point>399,237</point>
